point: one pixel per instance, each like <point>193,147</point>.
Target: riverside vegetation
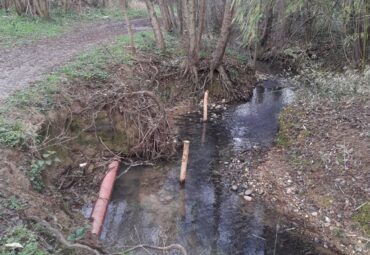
<point>58,135</point>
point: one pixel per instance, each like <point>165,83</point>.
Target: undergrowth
<point>21,241</point>
<point>363,217</point>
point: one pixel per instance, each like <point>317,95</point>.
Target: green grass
<point>363,218</point>
<point>18,30</point>
<point>93,65</point>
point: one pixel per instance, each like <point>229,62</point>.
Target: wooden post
<point>184,162</point>
<point>203,138</point>
<point>205,106</point>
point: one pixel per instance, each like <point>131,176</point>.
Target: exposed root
<point>61,239</point>
<point>165,248</point>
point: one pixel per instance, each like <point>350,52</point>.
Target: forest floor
<point>23,65</point>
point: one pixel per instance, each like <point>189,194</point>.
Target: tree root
<point>76,246</point>
<point>165,248</point>
<point>59,236</point>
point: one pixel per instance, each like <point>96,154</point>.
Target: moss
<point>363,217</point>
<point>290,128</point>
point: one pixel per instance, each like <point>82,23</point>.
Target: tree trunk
<point>219,51</point>
<point>20,6</point>
<point>166,17</point>
<point>179,16</point>
<point>4,4</point>
<point>267,26</point>
<point>185,14</point>
<point>42,8</point>
<point>172,13</point>
<point>129,27</point>
<point>202,13</point>
<point>193,54</point>
<point>155,23</point>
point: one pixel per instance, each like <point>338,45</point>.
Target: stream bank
<point>214,213</point>
<point>73,124</point>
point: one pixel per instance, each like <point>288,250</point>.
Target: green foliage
<point>12,134</point>
<point>363,217</point>
<point>38,95</point>
<point>22,236</point>
<point>37,168</point>
<point>93,65</point>
<point>15,30</point>
<point>78,234</point>
<point>13,203</point>
<point>333,86</point>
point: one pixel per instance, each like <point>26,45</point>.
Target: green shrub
<point>22,236</point>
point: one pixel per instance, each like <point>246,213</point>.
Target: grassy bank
<point>90,66</point>
<point>324,138</point>
<point>17,30</point>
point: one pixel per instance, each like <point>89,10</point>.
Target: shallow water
<point>149,206</point>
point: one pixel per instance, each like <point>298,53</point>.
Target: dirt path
<point>21,66</point>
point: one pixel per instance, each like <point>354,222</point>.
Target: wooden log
<point>184,162</point>
<point>205,106</point>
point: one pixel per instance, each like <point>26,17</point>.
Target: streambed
<point>149,206</point>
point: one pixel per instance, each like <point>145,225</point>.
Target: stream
<point>149,206</point>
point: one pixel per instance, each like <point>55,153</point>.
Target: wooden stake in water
<point>205,106</point>
<point>184,162</point>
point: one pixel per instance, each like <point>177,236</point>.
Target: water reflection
<point>256,122</point>
<point>149,206</point>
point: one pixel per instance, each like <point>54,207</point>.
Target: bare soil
<point>23,65</point>
<point>319,174</point>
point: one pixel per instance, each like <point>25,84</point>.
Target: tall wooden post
<point>205,106</point>
<point>184,162</point>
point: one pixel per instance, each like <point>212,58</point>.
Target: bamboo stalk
<point>205,106</point>
<point>184,161</point>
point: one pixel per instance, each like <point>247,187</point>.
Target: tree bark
<point>155,23</point>
<point>20,6</point>
<point>202,13</point>
<point>166,16</point>
<point>193,54</point>
<point>185,14</point>
<point>172,13</point>
<point>179,16</point>
<point>129,27</point>
<point>219,51</point>
<point>267,26</point>
<point>5,4</point>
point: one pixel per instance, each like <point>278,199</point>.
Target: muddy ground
<point>23,65</point>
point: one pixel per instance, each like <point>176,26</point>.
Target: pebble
<point>314,214</point>
<point>248,192</point>
<point>234,188</point>
<point>327,219</point>
<point>247,198</point>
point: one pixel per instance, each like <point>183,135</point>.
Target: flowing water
<point>150,207</point>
